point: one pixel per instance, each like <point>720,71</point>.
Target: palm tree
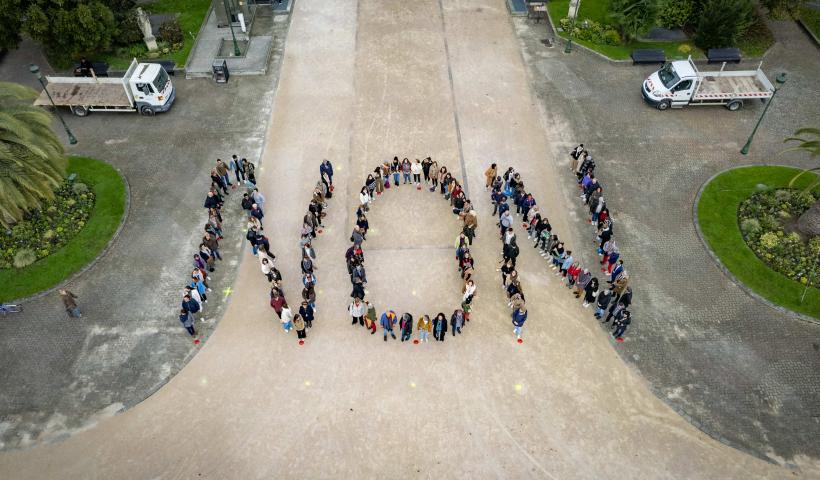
<point>809,221</point>
<point>32,161</point>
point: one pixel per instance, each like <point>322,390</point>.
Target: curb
<point>808,31</point>
<point>196,42</point>
<point>104,252</point>
<point>747,290</point>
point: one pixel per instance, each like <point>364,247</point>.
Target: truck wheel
<point>79,111</point>
<point>665,104</point>
<point>734,105</point>
<point>147,111</point>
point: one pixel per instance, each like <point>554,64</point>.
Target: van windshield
<point>668,76</point>
<point>161,81</point>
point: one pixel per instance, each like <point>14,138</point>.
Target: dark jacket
<point>190,306</point>
<point>406,323</point>
<point>211,202</point>
<point>326,167</point>
<point>603,299</point>
<point>519,317</point>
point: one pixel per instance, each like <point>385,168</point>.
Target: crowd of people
<point>195,293</point>
<point>420,174</point>
<point>312,226</point>
<point>610,302</point>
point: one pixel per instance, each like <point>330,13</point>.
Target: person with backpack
<point>370,318</point>
<point>191,306</point>
<point>388,320</point>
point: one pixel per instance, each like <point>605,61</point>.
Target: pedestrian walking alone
<point>70,303</point>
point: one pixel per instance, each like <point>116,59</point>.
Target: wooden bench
<point>648,55</point>
<point>168,65</point>
<point>100,69</point>
<point>720,55</point>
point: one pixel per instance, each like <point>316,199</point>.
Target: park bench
<point>720,55</point>
<point>100,69</point>
<point>168,65</point>
<point>648,55</point>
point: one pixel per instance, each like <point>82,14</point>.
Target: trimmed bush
<point>722,23</point>
<point>171,32</point>
<point>675,13</point>
<point>24,258</point>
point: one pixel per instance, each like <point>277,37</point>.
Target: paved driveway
<point>741,371</point>
<point>58,374</point>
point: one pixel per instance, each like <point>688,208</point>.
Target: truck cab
<point>150,88</point>
<point>671,86</point>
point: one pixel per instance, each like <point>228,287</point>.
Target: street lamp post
<point>228,13</point>
<point>779,81</point>
<point>574,8</point>
<point>34,69</point>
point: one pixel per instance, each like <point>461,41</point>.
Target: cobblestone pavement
<point>60,375</point>
<point>743,372</point>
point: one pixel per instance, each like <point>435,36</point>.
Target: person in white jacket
<point>357,310</point>
<point>286,318</point>
<point>416,169</point>
<point>365,199</point>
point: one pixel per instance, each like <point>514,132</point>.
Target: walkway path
<point>253,404</point>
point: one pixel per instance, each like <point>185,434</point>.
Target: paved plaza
<point>710,383</point>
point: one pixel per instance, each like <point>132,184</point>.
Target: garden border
<point>125,214</point>
<point>722,267</point>
<point>558,39</point>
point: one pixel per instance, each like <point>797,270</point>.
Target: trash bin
<point>220,71</point>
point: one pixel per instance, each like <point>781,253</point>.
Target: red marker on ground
<point>301,342</point>
<point>196,342</point>
<point>520,340</point>
<point>619,340</point>
<point>415,342</point>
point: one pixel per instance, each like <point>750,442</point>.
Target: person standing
<point>602,303</point>
<point>457,321</point>
<point>187,322</point>
<point>406,326</point>
<point>470,225</point>
<point>406,170</point>
<point>590,291</point>
<point>194,293</point>
<point>238,169</point>
<point>416,170</point>
<point>621,324</point>
<point>425,168</point>
<point>519,316</point>
<point>222,170</point>
<point>277,300</point>
<point>326,170</point>
<point>299,325</point>
<point>425,326</point>
<point>370,318</point>
<point>357,311</point>
<point>249,170</point>
<point>258,198</point>
<point>467,296</point>
<point>440,327</point>
<point>306,312</point>
<point>191,306</point>
<point>286,318</point>
<point>256,212</point>
<point>364,199</point>
<point>388,320</point>
<point>433,175</point>
<point>615,311</point>
<point>70,303</point>
<point>395,169</point>
<point>489,176</point>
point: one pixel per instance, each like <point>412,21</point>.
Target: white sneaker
<point>586,305</point>
<point>519,337</point>
<point>528,237</point>
<point>210,289</point>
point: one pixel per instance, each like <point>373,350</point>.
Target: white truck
<point>680,83</point>
<point>144,88</point>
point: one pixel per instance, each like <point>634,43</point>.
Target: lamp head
<point>34,69</point>
<point>781,78</point>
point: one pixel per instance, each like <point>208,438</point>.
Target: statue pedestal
<point>151,43</point>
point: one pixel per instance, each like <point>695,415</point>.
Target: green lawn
<point>191,15</point>
<point>717,216</point>
<point>811,19</point>
<point>598,10</point>
<point>109,188</point>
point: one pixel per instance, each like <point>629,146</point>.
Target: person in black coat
<point>406,325</point>
<point>511,252</point>
<point>440,327</point>
<point>621,323</point>
<point>212,201</point>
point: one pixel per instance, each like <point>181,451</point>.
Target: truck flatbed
<point>730,87</point>
<point>71,94</point>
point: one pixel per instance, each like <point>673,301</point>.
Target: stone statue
<point>147,33</point>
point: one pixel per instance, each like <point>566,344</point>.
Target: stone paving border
<point>103,253</point>
<point>726,271</point>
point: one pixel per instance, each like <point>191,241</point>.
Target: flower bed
<point>49,229</point>
<point>765,220</point>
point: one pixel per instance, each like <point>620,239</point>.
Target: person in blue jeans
<point>620,324</point>
<point>406,327</point>
<point>519,316</point>
<point>395,169</point>
<point>388,319</point>
<point>406,168</point>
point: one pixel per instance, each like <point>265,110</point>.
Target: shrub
<point>24,257</point>
<point>171,32</point>
<point>128,29</point>
<point>723,22</point>
<point>612,37</point>
<point>763,219</point>
<point>685,49</point>
<point>782,9</point>
<point>592,31</point>
<point>633,17</point>
<point>675,13</point>
<point>79,188</point>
